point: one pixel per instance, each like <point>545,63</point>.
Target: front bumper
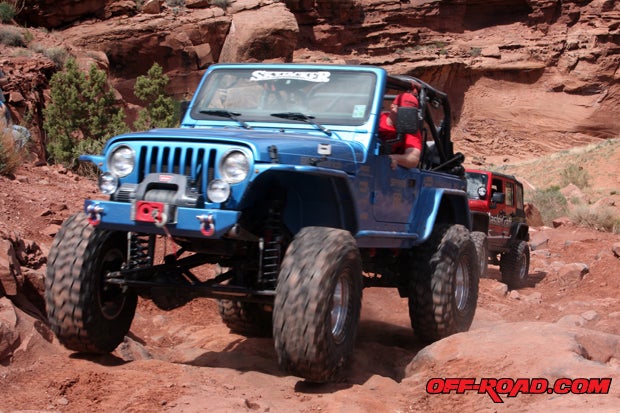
<point>189,222</point>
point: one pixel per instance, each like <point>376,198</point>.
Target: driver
<point>407,151</point>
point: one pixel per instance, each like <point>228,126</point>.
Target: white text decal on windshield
<point>319,77</point>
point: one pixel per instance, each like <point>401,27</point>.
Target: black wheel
<point>482,249</point>
<point>85,314</point>
<point>515,265</point>
<point>444,294</point>
<point>246,319</point>
<point>317,304</point>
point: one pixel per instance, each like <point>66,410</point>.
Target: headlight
<point>122,161</point>
<point>218,191</point>
<point>108,183</point>
<point>235,167</point>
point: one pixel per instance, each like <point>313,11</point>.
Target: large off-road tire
<point>444,292</point>
<point>246,319</point>
<point>317,304</point>
<point>85,314</point>
<point>482,249</point>
<point>514,265</point>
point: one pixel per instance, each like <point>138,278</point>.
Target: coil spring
<point>141,249</point>
<point>272,252</point>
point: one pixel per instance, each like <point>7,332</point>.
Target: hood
<point>292,147</point>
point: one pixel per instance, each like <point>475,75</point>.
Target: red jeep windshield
<point>475,180</point>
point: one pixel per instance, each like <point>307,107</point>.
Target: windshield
<point>474,182</point>
<point>324,96</point>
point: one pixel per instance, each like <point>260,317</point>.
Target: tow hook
<point>94,214</point>
<point>206,225</point>
<point>160,218</point>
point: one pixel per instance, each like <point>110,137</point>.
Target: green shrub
<point>576,175</point>
<point>223,4</point>
<point>82,113</point>
<point>550,202</point>
<point>161,111</point>
<point>7,12</point>
<point>475,51</point>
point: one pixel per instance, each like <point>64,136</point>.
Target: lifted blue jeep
<point>275,196</point>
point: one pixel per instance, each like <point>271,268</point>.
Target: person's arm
<point>409,159</point>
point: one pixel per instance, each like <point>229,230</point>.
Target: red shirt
<point>389,132</point>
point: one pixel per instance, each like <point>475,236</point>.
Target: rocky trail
<point>565,324</point>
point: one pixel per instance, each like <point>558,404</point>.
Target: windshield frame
<point>327,95</point>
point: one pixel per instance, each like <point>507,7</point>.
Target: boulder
<point>9,337</point>
<point>266,33</point>
<point>11,278</point>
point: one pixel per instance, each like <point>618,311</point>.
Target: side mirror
<point>498,197</point>
<point>407,120</point>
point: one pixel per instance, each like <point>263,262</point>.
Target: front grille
<point>197,163</point>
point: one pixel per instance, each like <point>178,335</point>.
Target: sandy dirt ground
<point>186,360</point>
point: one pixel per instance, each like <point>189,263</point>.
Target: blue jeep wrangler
<point>276,197</point>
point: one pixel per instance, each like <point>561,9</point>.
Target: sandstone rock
<point>532,215</point>
<point>590,315</point>
<point>10,271</point>
<point>51,230</point>
<point>605,202</point>
<point>616,249</point>
<point>55,13</point>
<point>197,4</point>
<point>571,352</point>
<point>120,8</point>
<point>9,339</point>
<point>534,298</point>
<point>539,240</point>
<point>28,252</point>
<point>542,253</point>
<point>558,222</point>
<point>500,289</point>
<point>491,51</point>
<point>514,294</point>
<point>152,7</point>
<point>574,195</point>
<point>572,273</point>
<point>267,33</point>
<point>571,320</point>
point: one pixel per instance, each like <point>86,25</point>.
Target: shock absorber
<point>271,248</point>
<point>140,250</point>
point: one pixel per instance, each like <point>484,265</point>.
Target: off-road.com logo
<point>496,388</point>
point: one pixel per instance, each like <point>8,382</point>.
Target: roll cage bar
<point>440,133</point>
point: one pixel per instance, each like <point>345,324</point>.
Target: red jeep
<point>501,233</point>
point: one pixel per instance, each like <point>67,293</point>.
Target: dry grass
<point>10,158</point>
<point>593,169</point>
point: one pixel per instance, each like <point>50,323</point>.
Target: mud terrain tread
<point>247,319</point>
<point>511,263</point>
<point>302,331</point>
<point>482,249</point>
<point>432,307</point>
<point>72,290</point>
